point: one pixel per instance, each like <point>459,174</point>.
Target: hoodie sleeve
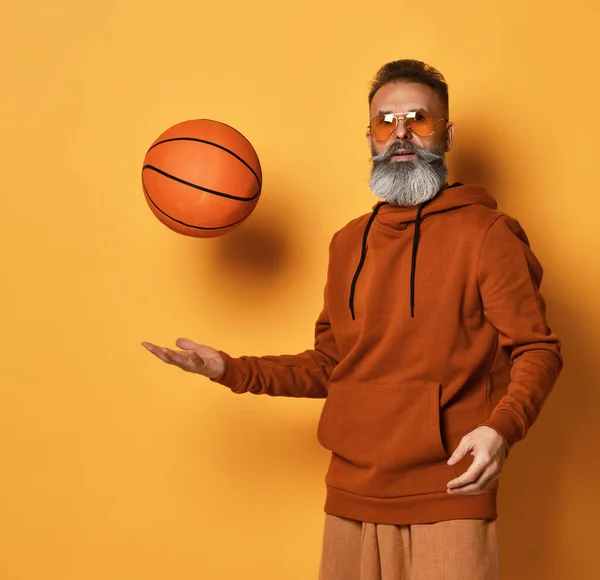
<point>288,375</point>
<point>509,280</point>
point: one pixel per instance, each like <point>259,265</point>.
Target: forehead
<point>399,97</point>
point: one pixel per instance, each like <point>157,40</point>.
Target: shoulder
<point>351,231</point>
<point>504,226</point>
<point>482,222</point>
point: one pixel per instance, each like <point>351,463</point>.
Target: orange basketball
<point>201,178</point>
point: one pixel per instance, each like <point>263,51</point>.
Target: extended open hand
<point>193,358</point>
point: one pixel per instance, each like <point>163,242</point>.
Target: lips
<point>401,152</point>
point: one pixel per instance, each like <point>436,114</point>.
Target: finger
<point>469,476</point>
<point>154,349</point>
<point>186,344</point>
<point>470,488</point>
<point>179,359</point>
<point>481,485</point>
<point>488,480</point>
<point>149,346</point>
<point>461,451</point>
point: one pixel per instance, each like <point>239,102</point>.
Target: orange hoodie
<point>433,325</point>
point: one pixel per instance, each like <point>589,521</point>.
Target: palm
<point>194,357</point>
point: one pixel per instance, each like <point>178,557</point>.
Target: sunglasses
<point>420,123</point>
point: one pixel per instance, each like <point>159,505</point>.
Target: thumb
<point>459,453</point>
<point>186,344</point>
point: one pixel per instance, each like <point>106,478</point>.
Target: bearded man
<point>432,353</point>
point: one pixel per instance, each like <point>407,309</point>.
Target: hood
<point>452,197</point>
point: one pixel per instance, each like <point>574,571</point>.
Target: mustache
<point>427,155</point>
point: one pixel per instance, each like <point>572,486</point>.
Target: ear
<point>449,137</point>
<point>368,136</point>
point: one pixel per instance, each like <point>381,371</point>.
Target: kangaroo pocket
<point>385,439</point>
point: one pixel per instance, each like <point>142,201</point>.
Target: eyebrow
<point>417,110</point>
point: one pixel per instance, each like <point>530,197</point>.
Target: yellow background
<point>117,467</point>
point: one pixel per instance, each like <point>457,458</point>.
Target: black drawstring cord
<point>413,266</point>
<point>363,256</point>
<point>413,269</point>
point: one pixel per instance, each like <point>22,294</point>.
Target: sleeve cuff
<point>507,425</point>
<point>233,376</point>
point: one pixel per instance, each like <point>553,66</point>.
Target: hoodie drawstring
<point>413,267</point>
<point>363,255</point>
<point>416,238</point>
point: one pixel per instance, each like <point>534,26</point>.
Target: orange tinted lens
<point>421,123</point>
<point>382,127</point>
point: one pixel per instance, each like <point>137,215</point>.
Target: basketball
<point>201,178</point>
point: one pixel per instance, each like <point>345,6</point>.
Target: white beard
<point>408,183</point>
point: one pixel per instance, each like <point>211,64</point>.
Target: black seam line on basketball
<point>184,182</point>
<point>183,223</point>
<point>213,145</point>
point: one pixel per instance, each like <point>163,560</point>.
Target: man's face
<point>401,98</point>
<point>409,169</point>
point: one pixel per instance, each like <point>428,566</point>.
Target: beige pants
<point>451,550</point>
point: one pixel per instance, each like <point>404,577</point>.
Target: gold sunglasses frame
<point>404,117</point>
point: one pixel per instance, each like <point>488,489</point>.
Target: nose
<point>402,132</point>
